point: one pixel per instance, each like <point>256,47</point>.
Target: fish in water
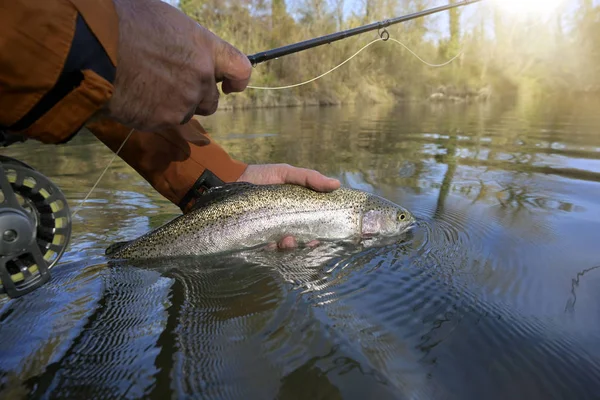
<point>241,215</point>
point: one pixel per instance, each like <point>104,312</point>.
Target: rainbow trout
<point>240,216</point>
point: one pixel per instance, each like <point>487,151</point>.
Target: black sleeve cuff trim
<point>86,53</point>
<point>206,181</point>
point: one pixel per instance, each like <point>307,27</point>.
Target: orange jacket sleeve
<point>37,42</point>
<point>171,161</point>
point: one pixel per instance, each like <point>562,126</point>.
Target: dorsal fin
<point>219,193</point>
<point>115,247</point>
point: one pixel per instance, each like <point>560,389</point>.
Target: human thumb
<point>232,67</point>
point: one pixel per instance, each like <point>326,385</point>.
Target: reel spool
<point>35,227</point>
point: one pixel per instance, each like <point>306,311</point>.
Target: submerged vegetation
<point>505,53</point>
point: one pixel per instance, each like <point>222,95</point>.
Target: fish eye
<point>401,216</point>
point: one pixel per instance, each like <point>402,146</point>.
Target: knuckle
<point>205,76</point>
<point>284,169</point>
<point>209,102</point>
<point>247,67</point>
<point>235,60</point>
<point>213,108</point>
<point>176,119</point>
<point>169,116</point>
<point>235,54</point>
<point>208,108</point>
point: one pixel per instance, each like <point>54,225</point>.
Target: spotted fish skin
<point>241,215</point>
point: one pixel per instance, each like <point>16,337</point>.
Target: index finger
<point>310,178</point>
<point>232,67</point>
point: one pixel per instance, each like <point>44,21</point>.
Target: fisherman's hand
<point>283,173</point>
<point>168,67</point>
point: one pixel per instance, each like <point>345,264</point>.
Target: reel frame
<point>34,232</point>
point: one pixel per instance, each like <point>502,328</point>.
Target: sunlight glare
<point>532,7</point>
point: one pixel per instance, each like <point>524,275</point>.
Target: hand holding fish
<point>283,173</point>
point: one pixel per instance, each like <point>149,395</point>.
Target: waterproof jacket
<point>58,61</point>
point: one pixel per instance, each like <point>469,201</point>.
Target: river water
<point>495,295</point>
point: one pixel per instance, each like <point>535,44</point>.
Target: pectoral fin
<point>115,247</point>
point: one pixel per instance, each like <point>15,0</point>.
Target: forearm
<point>171,161</point>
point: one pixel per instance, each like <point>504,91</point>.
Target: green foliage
<point>503,54</point>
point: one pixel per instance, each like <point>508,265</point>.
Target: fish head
<point>381,217</point>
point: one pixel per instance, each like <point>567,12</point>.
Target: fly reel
<point>35,227</point>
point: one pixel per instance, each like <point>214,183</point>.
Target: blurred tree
<point>510,55</point>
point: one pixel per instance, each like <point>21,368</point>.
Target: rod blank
<point>311,43</point>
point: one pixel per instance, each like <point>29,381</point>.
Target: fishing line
<point>78,208</point>
<point>380,39</point>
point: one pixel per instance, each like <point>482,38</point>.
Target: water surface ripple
<point>493,294</point>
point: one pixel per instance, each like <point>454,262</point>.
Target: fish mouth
<point>409,226</point>
<point>402,236</point>
<point>405,229</point>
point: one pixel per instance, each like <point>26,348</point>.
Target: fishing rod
<point>311,43</point>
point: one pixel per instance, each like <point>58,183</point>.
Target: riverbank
<point>367,93</point>
<point>371,94</point>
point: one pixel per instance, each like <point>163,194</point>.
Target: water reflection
<point>492,297</point>
<point>576,282</point>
